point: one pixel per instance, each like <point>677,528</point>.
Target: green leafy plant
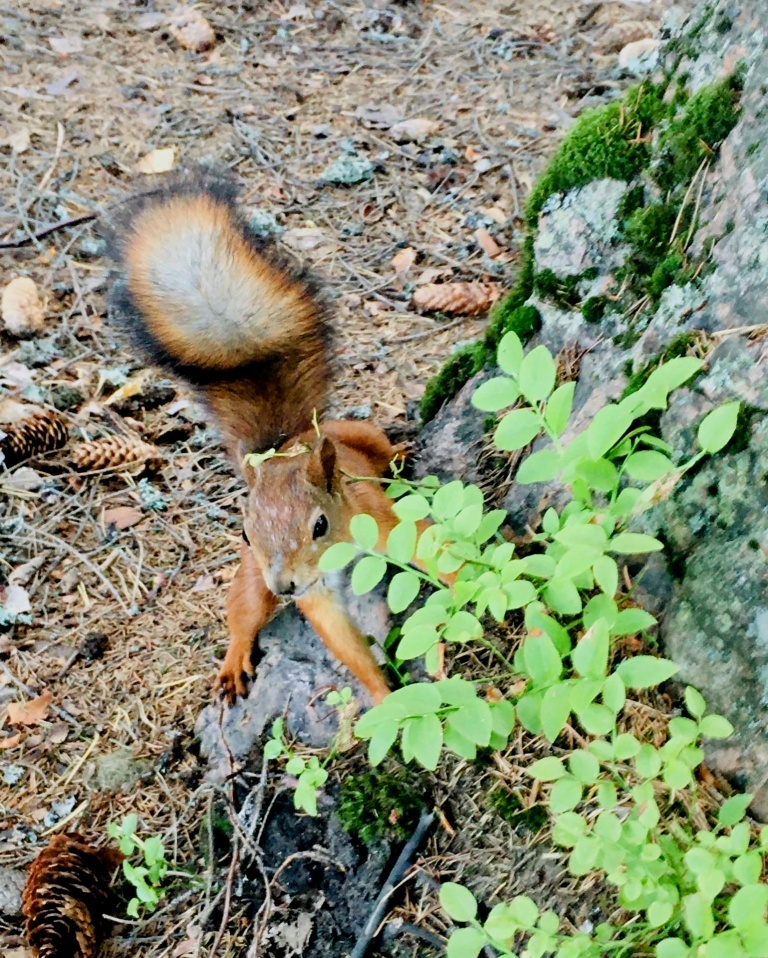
<point>147,876</point>
<point>686,888</point>
<point>311,773</point>
<point>615,471</point>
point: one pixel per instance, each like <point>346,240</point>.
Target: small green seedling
<point>146,877</point>
<point>310,773</point>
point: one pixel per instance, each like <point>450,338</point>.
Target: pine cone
<point>112,452</point>
<point>619,35</point>
<point>39,433</point>
<point>465,299</point>
<point>66,896</point>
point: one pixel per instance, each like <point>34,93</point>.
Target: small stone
<point>348,170</point>
<point>12,774</point>
<point>263,223</point>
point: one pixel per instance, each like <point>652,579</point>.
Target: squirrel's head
<point>297,507</point>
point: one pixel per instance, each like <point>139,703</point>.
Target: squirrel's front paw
<point>232,680</point>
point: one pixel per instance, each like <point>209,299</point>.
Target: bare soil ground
<point>125,626</point>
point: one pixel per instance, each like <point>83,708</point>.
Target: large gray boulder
<point>713,599</point>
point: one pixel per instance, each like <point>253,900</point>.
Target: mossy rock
<point>608,142</point>
<point>694,136</point>
<point>667,140</point>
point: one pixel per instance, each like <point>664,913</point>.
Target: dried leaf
<point>158,161</point>
<point>122,517</point>
<point>204,584</point>
<point>134,387</point>
<point>633,51</point>
<point>58,734</point>
<point>190,945</point>
<point>70,580</point>
<point>617,36</point>
<point>70,43</point>
<point>23,480</point>
<point>307,239</point>
<point>404,259</point>
<point>495,214</point>
<point>428,276</point>
<point>299,11</point>
<point>13,411</point>
<point>20,140</point>
<point>378,114</point>
<point>191,30</point>
<point>371,213</point>
<point>11,742</point>
<point>413,131</point>
<point>487,243</point>
<point>61,85</point>
<point>30,713</point>
<point>150,21</point>
<point>17,375</point>
<point>23,312</point>
<point>16,600</point>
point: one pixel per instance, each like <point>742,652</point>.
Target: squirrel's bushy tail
<point>204,296</point>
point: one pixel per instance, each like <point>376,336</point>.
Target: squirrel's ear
<point>321,468</point>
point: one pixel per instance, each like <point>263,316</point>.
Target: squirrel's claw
<point>232,680</point>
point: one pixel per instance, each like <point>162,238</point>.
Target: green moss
<point>379,804</point>
<point>609,141</point>
<point>633,200</point>
<point>657,236</point>
<point>648,231</point>
<point>665,274</point>
<point>215,832</point>
<point>723,24</point>
<point>594,308</point>
<point>695,135</point>
<point>627,340</point>
<point>674,558</point>
<point>563,291</point>
<point>510,808</point>
<point>742,434</point>
<point>457,370</point>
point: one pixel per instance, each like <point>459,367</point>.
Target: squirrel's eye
<point>321,527</point>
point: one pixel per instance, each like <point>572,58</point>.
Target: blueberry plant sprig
<point>566,592</point>
<point>690,892</point>
<point>311,774</point>
<point>146,877</point>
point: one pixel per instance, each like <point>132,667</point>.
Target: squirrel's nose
<point>284,587</point>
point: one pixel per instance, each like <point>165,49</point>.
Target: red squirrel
<point>222,308</point>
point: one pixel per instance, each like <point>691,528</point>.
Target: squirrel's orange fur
<point>211,301</point>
